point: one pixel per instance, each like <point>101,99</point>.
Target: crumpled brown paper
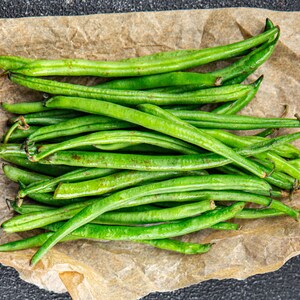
<point>123,270</point>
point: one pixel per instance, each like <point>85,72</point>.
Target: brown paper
<point>123,270</point>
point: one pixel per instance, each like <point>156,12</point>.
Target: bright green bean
<point>160,80</point>
<point>76,126</point>
<point>197,137</point>
<point>118,136</point>
<point>112,183</point>
<point>153,64</point>
<point>17,175</point>
<point>24,107</point>
<point>47,186</point>
<point>166,244</point>
<point>22,161</point>
<point>209,95</point>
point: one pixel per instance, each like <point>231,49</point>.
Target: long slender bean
<point>160,80</point>
<point>127,97</point>
<point>16,175</point>
<point>197,137</point>
<point>154,64</point>
<point>22,161</point>
<point>41,218</point>
<point>47,186</point>
<point>118,136</point>
<point>112,183</point>
<point>24,107</point>
<point>77,126</point>
<point>158,163</point>
<point>166,244</point>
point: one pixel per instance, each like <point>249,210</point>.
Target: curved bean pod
<point>127,97</point>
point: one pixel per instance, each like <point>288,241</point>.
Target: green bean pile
<point>136,158</point>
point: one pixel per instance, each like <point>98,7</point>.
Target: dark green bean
<point>209,95</point>
<point>23,134</point>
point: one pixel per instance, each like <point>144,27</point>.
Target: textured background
<point>282,284</point>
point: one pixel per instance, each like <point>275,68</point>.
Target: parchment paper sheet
<point>122,270</point>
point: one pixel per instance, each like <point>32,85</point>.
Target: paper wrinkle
<point>124,270</point>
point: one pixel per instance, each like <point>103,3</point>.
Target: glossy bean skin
<point>166,244</point>
<point>131,98</point>
<point>17,175</point>
<point>38,218</point>
<point>162,231</point>
<point>211,120</point>
<point>47,186</point>
<point>144,217</point>
<point>23,134</point>
<point>157,163</point>
<point>160,80</point>
<point>125,197</point>
<point>22,161</point>
<point>112,183</point>
<point>77,126</point>
<point>24,107</point>
<point>153,64</point>
<point>279,163</point>
<point>198,137</point>
<point>250,213</point>
<point>118,136</point>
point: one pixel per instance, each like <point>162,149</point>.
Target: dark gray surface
<point>282,284</point>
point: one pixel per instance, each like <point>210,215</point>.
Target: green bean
<point>160,80</point>
<point>24,107</point>
<point>111,183</point>
<point>157,231</point>
<point>47,186</point>
<point>13,62</point>
<point>117,136</point>
<point>166,244</point>
<point>127,97</point>
<point>154,64</point>
<point>51,113</point>
<point>198,137</point>
<point>42,218</point>
<point>77,126</point>
<point>251,213</point>
<point>45,121</point>
<point>285,150</point>
<point>22,161</point>
<point>125,197</point>
<point>234,107</point>
<point>279,163</point>
<point>143,162</point>
<point>23,134</point>
<point>45,198</point>
<point>16,175</point>
<point>295,163</point>
<point>112,217</point>
<point>211,120</point>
